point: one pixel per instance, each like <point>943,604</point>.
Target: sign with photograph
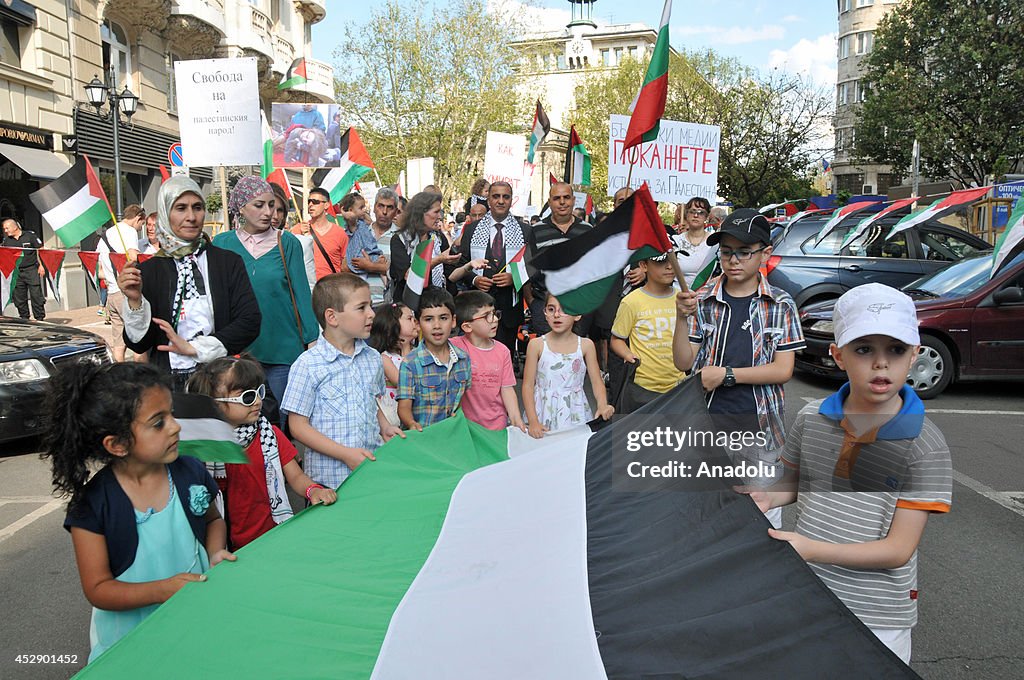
<point>306,135</point>
<point>219,111</point>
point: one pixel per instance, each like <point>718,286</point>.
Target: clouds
<point>813,58</point>
<point>732,35</point>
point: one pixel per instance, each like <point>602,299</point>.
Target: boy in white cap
<point>870,468</point>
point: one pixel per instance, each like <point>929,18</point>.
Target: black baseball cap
<point>745,224</point>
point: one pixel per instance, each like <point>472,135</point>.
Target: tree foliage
<point>430,85</point>
<point>951,74</point>
<point>773,126</point>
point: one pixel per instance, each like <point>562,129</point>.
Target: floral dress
<point>560,400</point>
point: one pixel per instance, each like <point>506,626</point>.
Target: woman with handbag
<point>273,260</point>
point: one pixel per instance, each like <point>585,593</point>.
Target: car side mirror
<point>1008,295</point>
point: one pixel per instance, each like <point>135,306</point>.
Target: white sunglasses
<point>247,398</point>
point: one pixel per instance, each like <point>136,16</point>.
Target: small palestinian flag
<point>863,225</point>
<point>355,162</point>
<point>581,272</point>
<point>295,76</point>
<point>649,105</point>
<point>52,261</point>
<point>90,263</point>
<point>10,258</point>
<point>1011,241</point>
<point>165,174</point>
<point>838,216</point>
<point>332,216</point>
<point>707,268</point>
<point>74,204</point>
<point>552,179</point>
<point>517,267</point>
<point>540,130</point>
<point>204,434</point>
<point>577,161</point>
<point>118,260</point>
<point>419,274</point>
<point>279,178</point>
<point>943,206</point>
<point>479,554</point>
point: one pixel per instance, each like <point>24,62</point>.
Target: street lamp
<point>120,103</point>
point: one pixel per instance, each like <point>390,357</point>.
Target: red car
<point>972,327</point>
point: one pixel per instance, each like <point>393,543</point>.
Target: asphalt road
<point>971,560</point>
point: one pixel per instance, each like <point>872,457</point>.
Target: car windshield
<point>959,278</point>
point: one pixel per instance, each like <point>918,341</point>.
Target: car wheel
<point>932,371</point>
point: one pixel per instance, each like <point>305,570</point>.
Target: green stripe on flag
<point>72,233</point>
<point>213,451</point>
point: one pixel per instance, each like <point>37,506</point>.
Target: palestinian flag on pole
<point>839,215</point>
<point>472,553</point>
<point>295,76</point>
<point>355,162</point>
<point>74,204</point>
<point>707,268</point>
<point>52,261</point>
<point>580,272</point>
<point>517,267</point>
<point>419,274</point>
<point>9,260</point>
<point>204,434</point>
<point>649,105</point>
<point>577,160</point>
<point>863,225</point>
<point>90,263</point>
<point>552,179</point>
<point>943,206</point>
<point>1011,241</point>
<point>540,130</point>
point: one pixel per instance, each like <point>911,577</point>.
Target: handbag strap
<point>323,251</point>
<point>291,291</point>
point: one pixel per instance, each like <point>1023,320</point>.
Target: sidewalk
<point>85,318</point>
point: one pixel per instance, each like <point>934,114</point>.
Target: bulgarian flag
<point>419,274</point>
<point>471,553</point>
<point>541,128</point>
<point>942,206</point>
<point>295,76</point>
<point>90,263</point>
<point>863,225</point>
<point>355,162</point>
<point>577,160</point>
<point>204,433</point>
<point>1011,241</point>
<point>52,261</point>
<point>839,215</point>
<point>10,258</point>
<point>517,267</point>
<point>649,105</point>
<point>74,204</point>
<point>581,272</point>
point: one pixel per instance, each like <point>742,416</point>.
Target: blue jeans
<point>277,381</point>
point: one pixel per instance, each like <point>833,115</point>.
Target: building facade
<point>858,20</point>
<point>52,48</point>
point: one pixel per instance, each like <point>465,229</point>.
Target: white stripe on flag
<point>71,209</point>
<point>598,263</point>
<point>209,429</point>
<point>517,531</point>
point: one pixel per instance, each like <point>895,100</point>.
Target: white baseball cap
<point>875,309</point>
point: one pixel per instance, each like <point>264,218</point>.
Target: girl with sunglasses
<point>255,496</point>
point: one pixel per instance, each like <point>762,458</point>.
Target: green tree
<point>773,126</point>
<point>951,74</point>
<point>430,85</point>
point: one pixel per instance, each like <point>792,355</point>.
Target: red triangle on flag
<point>279,178</point>
<point>9,260</point>
<point>357,152</point>
<point>647,229</point>
<point>89,260</point>
<point>51,259</point>
<point>300,70</point>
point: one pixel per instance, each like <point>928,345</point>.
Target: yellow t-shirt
<point>647,321</point>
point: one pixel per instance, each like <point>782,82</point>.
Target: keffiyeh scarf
<point>511,233</point>
<point>280,508</point>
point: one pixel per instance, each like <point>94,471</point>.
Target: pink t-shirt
<point>491,370</point>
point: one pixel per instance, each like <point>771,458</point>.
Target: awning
<point>39,163</point>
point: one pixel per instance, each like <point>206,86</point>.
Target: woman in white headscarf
<point>193,302</point>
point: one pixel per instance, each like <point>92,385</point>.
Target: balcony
<point>253,31</point>
<point>320,80</point>
<point>313,10</point>
<point>210,12</point>
<point>284,54</point>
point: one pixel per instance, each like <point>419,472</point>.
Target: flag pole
<point>678,270</point>
<point>379,182</point>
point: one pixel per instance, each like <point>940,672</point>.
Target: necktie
<point>498,247</point>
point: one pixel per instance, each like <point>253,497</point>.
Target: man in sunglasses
<point>329,240</point>
<point>741,335</point>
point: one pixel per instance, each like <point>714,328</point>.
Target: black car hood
<point>20,337</point>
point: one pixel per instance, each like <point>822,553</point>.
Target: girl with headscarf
<point>273,261</point>
<point>193,302</point>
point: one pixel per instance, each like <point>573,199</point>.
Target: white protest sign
<point>219,111</point>
<point>505,161</point>
<point>368,190</point>
<point>420,173</point>
<point>680,164</point>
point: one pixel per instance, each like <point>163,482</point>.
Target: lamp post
<point>124,102</point>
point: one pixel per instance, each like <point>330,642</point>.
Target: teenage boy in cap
<point>871,437</point>
<point>646,318</point>
<point>741,335</point>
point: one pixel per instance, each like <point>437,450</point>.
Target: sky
<point>793,35</point>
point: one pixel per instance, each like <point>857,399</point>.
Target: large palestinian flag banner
<point>466,553</point>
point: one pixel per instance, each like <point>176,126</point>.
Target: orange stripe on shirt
<point>922,505</point>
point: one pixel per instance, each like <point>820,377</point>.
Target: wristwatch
<point>730,378</point>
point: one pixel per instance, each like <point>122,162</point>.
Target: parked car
<point>30,352</point>
<point>814,273</point>
<point>972,327</point>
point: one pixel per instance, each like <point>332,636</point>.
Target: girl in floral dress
<point>556,365</point>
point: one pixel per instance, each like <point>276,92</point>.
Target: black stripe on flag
<point>195,406</point>
<point>688,584</point>
<point>62,188</point>
<point>566,253</point>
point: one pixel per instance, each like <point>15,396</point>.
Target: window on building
<point>844,47</point>
<point>634,52</point>
<point>842,94</point>
<point>116,53</point>
<point>172,88</point>
<point>865,3</point>
<point>844,6</point>
<point>861,91</point>
<point>852,183</point>
<point>606,57</point>
<point>10,43</point>
<point>864,42</point>
<point>618,55</point>
<point>560,62</point>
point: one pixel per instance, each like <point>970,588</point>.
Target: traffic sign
<point>174,156</point>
